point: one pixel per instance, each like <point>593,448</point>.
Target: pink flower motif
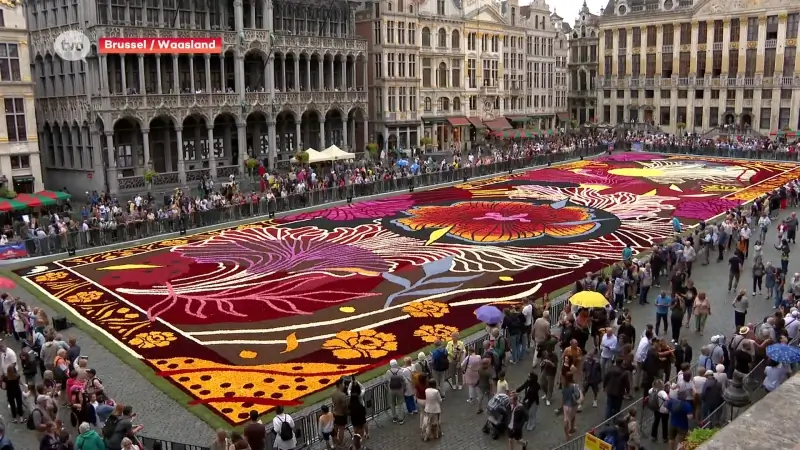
<point>358,211</point>
<point>501,218</point>
<point>704,209</point>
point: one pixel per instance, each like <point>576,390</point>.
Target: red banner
<point>108,45</point>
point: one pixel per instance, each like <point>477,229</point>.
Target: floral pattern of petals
<point>173,242</point>
<point>52,276</point>
<point>432,333</point>
<point>427,308</point>
<point>153,339</point>
<point>358,210</point>
<point>361,344</point>
<point>84,297</point>
<point>498,222</point>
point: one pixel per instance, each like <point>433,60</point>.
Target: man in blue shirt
<point>627,252</point>
<point>680,413</point>
<point>662,310</point>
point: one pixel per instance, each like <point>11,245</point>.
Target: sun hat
<point>744,330</point>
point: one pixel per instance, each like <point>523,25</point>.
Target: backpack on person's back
<point>287,432</point>
<point>440,360</point>
<point>110,426</point>
<point>396,380</point>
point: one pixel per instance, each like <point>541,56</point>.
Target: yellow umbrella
<point>588,299</point>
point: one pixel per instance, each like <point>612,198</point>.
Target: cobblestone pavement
<point>462,425</point>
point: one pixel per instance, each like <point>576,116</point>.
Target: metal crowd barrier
<point>723,152</point>
<point>753,383</point>
<point>111,233</point>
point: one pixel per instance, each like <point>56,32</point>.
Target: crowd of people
<point>51,389</point>
<point>588,350</point>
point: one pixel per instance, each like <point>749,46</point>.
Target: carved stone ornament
<point>791,43</point>
<point>701,47</point>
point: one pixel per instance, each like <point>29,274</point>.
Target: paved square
<point>265,314</point>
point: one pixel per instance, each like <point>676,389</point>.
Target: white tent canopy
<point>334,153</point>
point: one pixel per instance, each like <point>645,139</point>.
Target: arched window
<point>426,37</point>
<point>443,104</point>
<point>456,104</point>
<point>400,6</point>
<point>456,40</point>
<point>442,75</point>
<point>442,38</point>
<point>427,103</point>
<point>583,31</point>
<point>389,6</point>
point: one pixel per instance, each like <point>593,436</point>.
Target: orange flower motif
<point>361,344</point>
<point>426,308</point>
<point>84,297</point>
<point>173,242</point>
<point>430,333</point>
<point>153,339</point>
<point>52,276</point>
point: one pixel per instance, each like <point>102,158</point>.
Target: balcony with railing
<point>622,51</point>
<point>716,46</point>
<point>649,82</point>
<point>771,43</point>
<point>666,48</point>
<point>748,81</point>
<point>683,81</point>
<point>787,81</point>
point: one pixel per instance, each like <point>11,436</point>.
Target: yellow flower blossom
<point>426,308</point>
<point>361,344</point>
<point>152,339</point>
<point>84,297</point>
<point>430,333</point>
<point>52,276</point>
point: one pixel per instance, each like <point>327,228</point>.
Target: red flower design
<point>500,222</point>
<point>168,266</point>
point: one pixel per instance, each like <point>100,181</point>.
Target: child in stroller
<point>499,411</point>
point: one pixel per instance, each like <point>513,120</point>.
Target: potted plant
<point>301,157</point>
<point>7,193</point>
<point>697,437</point>
<point>681,126</point>
<point>573,124</point>
<point>372,149</point>
<point>426,142</point>
<point>251,164</point>
<point>148,177</point>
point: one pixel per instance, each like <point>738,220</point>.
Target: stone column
<point>191,73</point>
<point>146,147</point>
<point>252,14</point>
<point>181,162</point>
<point>239,74</point>
<point>224,86</point>
<point>297,137</point>
<point>207,59</point>
<point>322,135</point>
<point>176,88</point>
<point>366,134</point>
<point>296,73</point>
<point>364,77</point>
<point>344,74</point>
<point>103,60</point>
<point>242,142</point>
<point>113,181</point>
<point>308,74</point>
<point>283,74</point>
<point>212,158</point>
<point>344,133</point>
<point>321,74</point>
<point>273,151</point>
<point>124,74</point>
<point>142,89</point>
<point>159,90</point>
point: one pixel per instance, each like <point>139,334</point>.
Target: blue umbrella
<point>414,168</point>
<point>489,315</point>
<point>784,353</point>
<point>402,163</point>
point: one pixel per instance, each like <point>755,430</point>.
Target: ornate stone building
<point>291,76</point>
<point>20,168</point>
<point>583,47</point>
<point>447,69</point>
<point>704,64</point>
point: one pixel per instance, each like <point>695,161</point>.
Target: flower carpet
<point>265,314</point>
